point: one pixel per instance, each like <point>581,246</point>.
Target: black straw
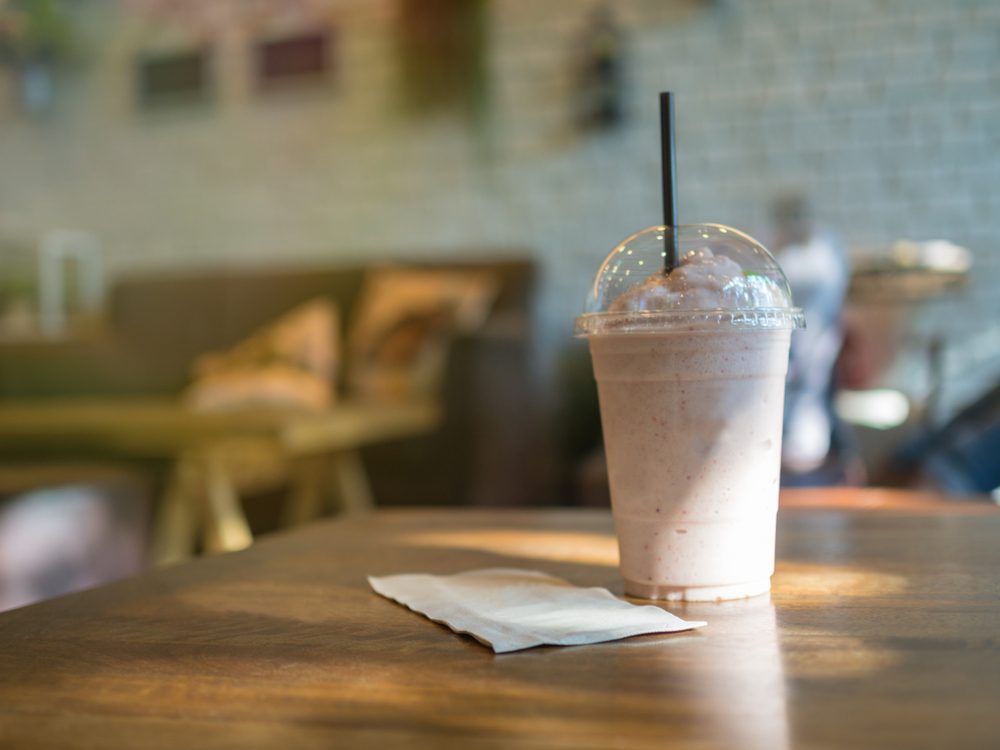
<point>668,172</point>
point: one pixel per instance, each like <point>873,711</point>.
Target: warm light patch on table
<point>823,655</point>
<point>811,579</point>
<point>557,546</point>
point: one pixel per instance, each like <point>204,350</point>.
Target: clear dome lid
<point>723,277</point>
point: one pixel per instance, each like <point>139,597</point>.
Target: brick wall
<point>887,112</point>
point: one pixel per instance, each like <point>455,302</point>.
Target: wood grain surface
<point>883,630</point>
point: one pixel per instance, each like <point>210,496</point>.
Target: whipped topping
<point>702,281</point>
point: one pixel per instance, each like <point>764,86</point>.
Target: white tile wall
<point>886,111</point>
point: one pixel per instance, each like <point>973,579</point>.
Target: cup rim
<point>656,321</point>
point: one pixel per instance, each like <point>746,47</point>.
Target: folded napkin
<point>510,609</point>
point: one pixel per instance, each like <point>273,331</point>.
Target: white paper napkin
<point>511,609</point>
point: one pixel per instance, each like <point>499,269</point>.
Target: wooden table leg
<point>351,482</point>
<point>175,526</point>
<point>306,499</point>
<point>226,527</point>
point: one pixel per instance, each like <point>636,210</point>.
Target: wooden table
<point>883,630</point>
<point>211,451</point>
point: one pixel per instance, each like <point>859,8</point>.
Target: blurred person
<point>816,447</point>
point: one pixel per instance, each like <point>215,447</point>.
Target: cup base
<point>697,593</point>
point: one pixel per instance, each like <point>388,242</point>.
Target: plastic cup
<point>690,369</point>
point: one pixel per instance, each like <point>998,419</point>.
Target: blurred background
<point>264,259</point>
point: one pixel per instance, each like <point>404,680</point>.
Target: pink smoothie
<point>692,429</point>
